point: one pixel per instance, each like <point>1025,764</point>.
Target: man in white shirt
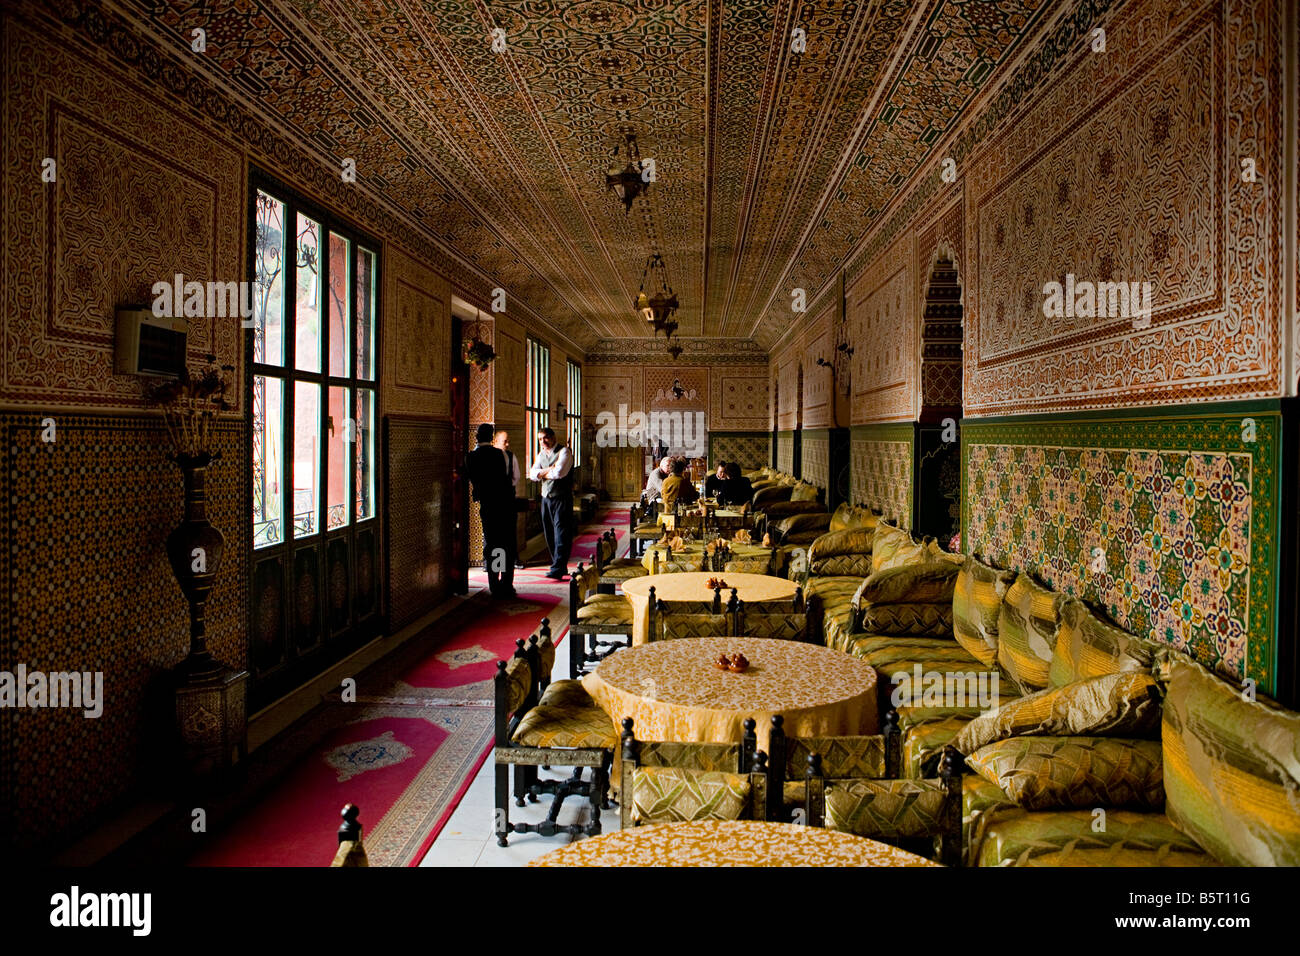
<point>552,468</point>
<point>654,486</point>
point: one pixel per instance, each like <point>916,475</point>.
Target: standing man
<point>486,468</point>
<point>501,440</point>
<point>552,468</point>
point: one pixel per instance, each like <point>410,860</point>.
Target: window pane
<point>307,320</point>
<point>340,306</point>
<point>365,314</point>
<point>268,309</point>
<point>365,442</point>
<point>306,458</point>
<point>342,429</point>
<point>268,460</point>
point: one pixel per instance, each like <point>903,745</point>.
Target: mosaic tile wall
<point>815,457</point>
<point>750,450</point>
<point>89,588</point>
<point>1168,522</point>
<point>881,469</point>
<point>419,518</point>
<point>785,452</point>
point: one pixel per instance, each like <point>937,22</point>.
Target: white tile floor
<point>468,840</point>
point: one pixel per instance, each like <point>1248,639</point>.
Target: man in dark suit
<point>490,474</point>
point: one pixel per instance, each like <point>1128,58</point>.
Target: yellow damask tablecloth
<point>728,843</point>
<point>672,690</point>
<point>692,586</point>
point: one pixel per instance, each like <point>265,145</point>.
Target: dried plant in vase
<point>189,406</point>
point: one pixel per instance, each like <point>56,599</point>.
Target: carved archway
<point>938,477</point>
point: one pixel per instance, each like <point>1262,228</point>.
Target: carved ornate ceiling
<point>771,165</point>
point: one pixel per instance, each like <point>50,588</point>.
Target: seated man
<point>736,489</point>
<point>678,488</point>
<point>654,484</point>
<point>714,481</point>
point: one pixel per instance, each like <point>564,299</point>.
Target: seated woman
<point>677,488</point>
<point>735,489</point>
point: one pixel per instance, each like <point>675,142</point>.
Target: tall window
<point>573,411</point>
<point>537,412</point>
<point>313,374</point>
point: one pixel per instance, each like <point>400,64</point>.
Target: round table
<point>691,586</point>
<point>728,843</point>
<point>672,690</point>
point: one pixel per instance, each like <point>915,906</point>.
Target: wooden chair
<point>593,615</point>
<point>350,851</point>
<point>547,724</point>
<point>643,526</point>
<point>665,624</point>
<point>614,571</point>
<point>851,783</point>
<point>759,620</point>
<point>671,782</point>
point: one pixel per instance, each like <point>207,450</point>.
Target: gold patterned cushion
<point>1232,769</point>
<point>929,582</point>
<point>919,620</point>
<point>786,509</point>
<point>1114,705</point>
<point>804,492</point>
<point>1042,773</point>
<point>893,547</point>
<point>623,572</point>
<point>976,601</point>
<point>519,677</point>
<point>567,725</point>
<point>748,565</point>
<point>858,565</point>
<point>837,631</point>
<point>678,795</point>
<point>851,516</point>
<point>779,627</point>
<point>566,693</point>
<point>890,653</point>
<point>605,614</point>
<point>842,756</point>
<point>847,541</point>
<point>771,495</point>
<point>622,563</point>
<point>813,521</point>
<point>600,596</point>
<point>1027,623</point>
<point>546,652</point>
<point>888,809</point>
<point>1087,646</point>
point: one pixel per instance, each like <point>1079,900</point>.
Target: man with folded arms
<point>552,468</point>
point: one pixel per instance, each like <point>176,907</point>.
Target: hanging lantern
<point>627,182</point>
<point>658,306</point>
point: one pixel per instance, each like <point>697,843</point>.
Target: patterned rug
<point>406,750</point>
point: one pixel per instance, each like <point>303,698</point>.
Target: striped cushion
<point>1232,769</point>
<point>923,744</point>
<point>1114,705</point>
<point>890,653</point>
<point>976,601</point>
<point>837,630</point>
<point>846,541</point>
<point>1087,646</point>
<point>918,620</point>
<point>1027,625</point>
<point>1043,773</point>
<point>842,564</point>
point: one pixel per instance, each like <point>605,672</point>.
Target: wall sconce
<point>845,348</point>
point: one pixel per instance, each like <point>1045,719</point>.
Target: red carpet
<point>407,750</point>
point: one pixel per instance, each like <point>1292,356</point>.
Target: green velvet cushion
<point>1043,773</point>
<point>929,582</point>
<point>1114,705</point>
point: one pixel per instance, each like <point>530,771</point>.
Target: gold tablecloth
<point>672,690</point>
<point>692,555</point>
<point>728,843</point>
<point>690,586</point>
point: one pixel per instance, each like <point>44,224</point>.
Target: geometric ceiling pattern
<point>771,163</point>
